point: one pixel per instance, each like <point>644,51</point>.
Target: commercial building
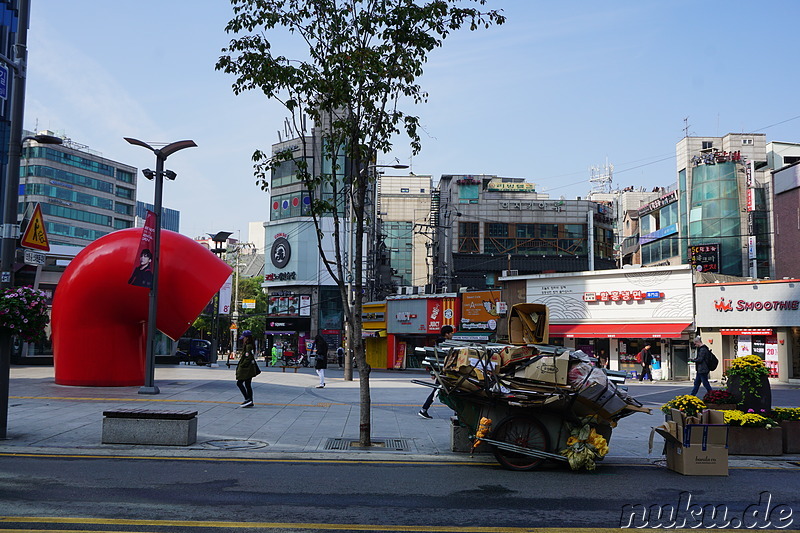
<point>82,194</point>
<point>304,299</point>
<point>722,206</point>
<point>786,217</point>
<point>618,311</point>
<point>759,317</point>
<point>486,226</point>
<point>404,211</point>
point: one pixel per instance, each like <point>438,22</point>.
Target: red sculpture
<point>99,321</point>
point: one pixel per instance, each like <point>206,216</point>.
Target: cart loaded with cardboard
<point>531,402</point>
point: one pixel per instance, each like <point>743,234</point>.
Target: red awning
<point>656,331</point>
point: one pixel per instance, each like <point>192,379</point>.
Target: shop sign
<point>704,257</point>
<point>731,331</point>
<point>712,158</point>
<point>659,234</point>
<point>504,186</point>
<point>282,276</point>
<point>722,305</point>
<point>655,205</point>
<point>622,296</point>
<point>527,206</point>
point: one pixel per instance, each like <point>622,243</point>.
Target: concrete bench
<point>284,367</point>
<point>148,426</point>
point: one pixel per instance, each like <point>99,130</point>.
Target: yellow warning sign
<point>35,235</point>
<point>234,327</point>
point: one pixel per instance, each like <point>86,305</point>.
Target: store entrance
<point>680,360</point>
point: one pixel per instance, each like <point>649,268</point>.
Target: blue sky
<point>559,88</point>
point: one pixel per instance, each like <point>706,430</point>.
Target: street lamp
<point>159,175</point>
<point>220,238</point>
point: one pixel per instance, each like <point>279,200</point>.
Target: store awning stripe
<point>663,331</point>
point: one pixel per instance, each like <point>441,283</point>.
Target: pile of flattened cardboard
<point>695,446</point>
<point>536,375</point>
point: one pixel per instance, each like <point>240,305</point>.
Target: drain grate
<point>391,444</point>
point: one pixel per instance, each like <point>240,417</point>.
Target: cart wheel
<point>525,432</point>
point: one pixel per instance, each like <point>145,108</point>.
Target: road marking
<point>477,462</point>
<point>309,526</point>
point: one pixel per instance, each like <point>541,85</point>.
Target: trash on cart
<point>537,393</point>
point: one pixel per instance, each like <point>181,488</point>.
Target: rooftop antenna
<point>686,127</point>
<point>601,178</point>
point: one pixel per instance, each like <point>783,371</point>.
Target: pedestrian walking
<point>701,361</point>
<point>645,357</point>
<point>340,356</point>
<point>602,359</point>
<point>275,355</point>
<point>321,360</point>
<point>445,334</point>
<point>247,368</point>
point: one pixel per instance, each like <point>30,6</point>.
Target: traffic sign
<point>234,327</point>
<point>35,235</point>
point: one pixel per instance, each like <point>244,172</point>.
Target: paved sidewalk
<point>291,417</point>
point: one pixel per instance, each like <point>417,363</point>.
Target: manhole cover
<point>392,445</point>
<point>233,444</point>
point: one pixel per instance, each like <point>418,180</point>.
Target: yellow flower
<point>571,441</point>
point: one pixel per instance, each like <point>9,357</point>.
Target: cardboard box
<point>695,449</point>
<point>548,368</point>
<point>695,461</point>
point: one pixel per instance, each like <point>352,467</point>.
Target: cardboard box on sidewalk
<point>696,449</point>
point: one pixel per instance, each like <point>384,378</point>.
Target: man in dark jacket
<point>646,358</point>
<point>701,365</point>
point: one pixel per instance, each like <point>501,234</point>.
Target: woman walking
<point>321,360</point>
<point>247,368</point>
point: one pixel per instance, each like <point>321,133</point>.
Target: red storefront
<point>416,321</point>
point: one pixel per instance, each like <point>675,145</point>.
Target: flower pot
<point>791,436</point>
<point>744,440</point>
<point>722,406</point>
<point>757,399</point>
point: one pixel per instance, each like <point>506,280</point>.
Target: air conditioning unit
<point>510,273</point>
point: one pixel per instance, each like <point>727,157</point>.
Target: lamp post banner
<point>142,275</point>
<point>225,297</point>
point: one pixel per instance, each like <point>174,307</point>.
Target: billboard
<point>479,311</point>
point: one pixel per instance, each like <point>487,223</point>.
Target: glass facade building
<point>83,195</point>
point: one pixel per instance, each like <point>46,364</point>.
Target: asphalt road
<point>61,493</point>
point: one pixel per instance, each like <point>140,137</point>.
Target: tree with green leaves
<point>361,63</point>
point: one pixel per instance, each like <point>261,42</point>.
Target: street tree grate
<point>386,445</point>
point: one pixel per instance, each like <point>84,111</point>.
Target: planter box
<point>755,441</point>
<point>791,436</point>
<point>722,406</point>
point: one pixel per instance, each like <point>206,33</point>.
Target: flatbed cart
<point>531,421</point>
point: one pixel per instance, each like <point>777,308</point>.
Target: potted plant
<point>23,312</point>
<point>687,404</point>
<point>748,380</point>
<point>789,419</point>
<point>752,433</point>
<point>720,399</point>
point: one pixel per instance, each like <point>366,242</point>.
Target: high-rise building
<point>82,194</point>
<point>170,218</point>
